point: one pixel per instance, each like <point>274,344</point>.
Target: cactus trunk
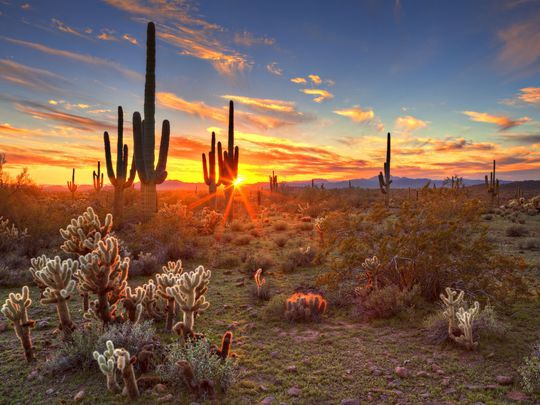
<point>384,179</point>
<point>149,199</point>
<point>64,315</point>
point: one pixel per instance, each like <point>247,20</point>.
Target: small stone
<point>422,374</point>
<point>401,372</point>
<point>226,306</point>
<point>50,391</point>
<point>161,388</point>
<point>504,379</point>
<point>166,398</point>
<point>292,369</point>
<point>32,375</point>
<point>294,392</point>
<point>376,371</point>
<point>263,388</point>
<point>79,396</point>
<point>268,401</point>
<point>349,401</point>
<point>445,382</point>
<point>274,354</point>
<point>517,396</point>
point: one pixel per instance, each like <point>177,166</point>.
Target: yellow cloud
<point>321,94</point>
<point>263,103</point>
<point>356,114</point>
<point>299,80</point>
<point>316,79</point>
<point>503,122</point>
<point>409,123</point>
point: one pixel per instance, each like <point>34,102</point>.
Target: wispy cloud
<point>315,79</point>
<point>61,26</point>
<point>107,35</point>
<point>274,69</point>
<point>88,59</point>
<point>321,95</point>
<point>130,39</point>
<point>356,113</point>
<point>299,80</point>
<point>408,123</point>
<point>264,104</point>
<point>502,121</point>
<point>521,46</point>
<point>33,78</point>
<point>246,38</point>
<point>530,95</point>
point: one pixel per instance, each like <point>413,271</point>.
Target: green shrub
<point>258,261</point>
<point>275,309</point>
<point>530,371</point>
<point>386,302</point>
<point>516,231</point>
<point>14,278</point>
<point>243,240</point>
<point>146,264</point>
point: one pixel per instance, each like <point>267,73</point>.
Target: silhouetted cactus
<point>210,172</point>
<point>492,184</point>
<point>226,344</point>
<point>97,177</point>
<point>120,181</point>
<point>228,163</point>
<point>273,180</point>
<point>72,187</point>
<point>16,310</point>
<point>144,137</point>
<point>384,180</point>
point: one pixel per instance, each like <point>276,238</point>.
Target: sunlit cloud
<point>30,77</point>
<point>246,38</point>
<point>408,123</point>
<point>107,35</point>
<point>530,95</point>
<point>315,79</point>
<point>521,46</point>
<point>264,103</point>
<point>321,94</point>
<point>356,113</point>
<point>59,25</point>
<point>91,60</point>
<point>130,39</point>
<point>25,6</point>
<point>274,69</point>
<point>503,122</point>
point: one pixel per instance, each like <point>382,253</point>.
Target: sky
<point>316,85</point>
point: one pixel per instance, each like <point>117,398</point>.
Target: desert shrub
<point>305,226</point>
<point>226,260</point>
<point>516,231</point>
<point>210,220</point>
<point>386,302</point>
<point>242,240</point>
<point>258,261</point>
<point>280,226</point>
<point>205,364</point>
<point>132,337</point>
<point>10,236</point>
<point>255,233</point>
<point>226,238</point>
<point>530,371</point>
<point>436,241</point>
<point>305,307</point>
<point>146,264</point>
<point>14,277</point>
<point>236,226</point>
<point>275,309</point>
<point>530,244</point>
<point>487,217</point>
<point>295,258</point>
<point>281,241</point>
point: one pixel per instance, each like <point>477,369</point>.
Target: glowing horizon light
<point>237,181</point>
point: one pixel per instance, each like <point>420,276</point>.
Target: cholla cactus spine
<point>36,264</point>
<point>16,310</point>
<point>165,281</point>
<point>125,362</point>
<point>57,276</point>
<point>108,367</point>
<point>82,235</point>
<point>152,300</point>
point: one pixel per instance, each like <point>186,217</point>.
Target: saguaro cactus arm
<point>71,184</point>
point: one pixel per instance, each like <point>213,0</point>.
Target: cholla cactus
<point>57,276</point>
<point>125,362</point>
<point>199,388</point>
<point>165,281</point>
<point>108,367</point>
<point>36,264</point>
<point>226,344</point>
<point>153,303</point>
<point>319,222</point>
<point>372,272</point>
<point>453,301</point>
<point>260,281</point>
<point>11,232</point>
<point>189,295</point>
<point>210,220</point>
<point>465,325</point>
<point>173,268</point>
<point>104,274</point>
<point>132,303</point>
<point>16,310</point>
<point>305,307</point>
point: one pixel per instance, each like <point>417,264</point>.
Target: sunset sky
<point>316,85</point>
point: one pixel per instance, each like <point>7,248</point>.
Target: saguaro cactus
<point>144,136</point>
<point>492,185</point>
<point>384,180</point>
<point>120,181</point>
<point>273,180</point>
<point>98,178</point>
<point>72,187</point>
<point>210,172</point>
<point>57,276</point>
<point>16,310</point>
<point>228,163</point>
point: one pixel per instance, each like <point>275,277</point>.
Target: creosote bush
<point>386,302</point>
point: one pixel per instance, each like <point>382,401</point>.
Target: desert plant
<point>144,138</point>
<point>305,307</point>
<point>125,362</point>
<point>280,226</point>
<point>224,351</point>
<point>384,179</point>
<point>10,236</point>
<point>210,173</point>
<point>492,185</point>
<point>165,281</point>
<point>107,365</point>
<point>262,291</point>
<point>132,303</point>
<point>516,231</point>
<point>16,310</point>
<point>228,164</point>
<point>210,220</point>
<point>72,187</point>
<point>460,320</point>
<point>189,295</point>
<point>83,233</point>
<point>153,303</point>
<point>104,273</point>
<point>385,302</point>
<point>273,180</point>
<point>97,178</point>
<point>119,180</point>
<point>530,371</point>
<point>146,264</point>
<point>57,276</point>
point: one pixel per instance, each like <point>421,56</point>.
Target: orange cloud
<point>321,94</point>
<point>530,95</point>
<point>59,25</point>
<point>299,80</point>
<point>130,39</point>
<point>315,79</point>
<point>409,123</point>
<point>356,114</point>
<point>263,103</point>
<point>33,78</point>
<point>501,121</point>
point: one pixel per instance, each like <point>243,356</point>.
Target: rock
<point>292,369</point>
<point>42,324</point>
<point>32,375</point>
<point>233,326</point>
<point>294,392</point>
<point>50,391</point>
<point>3,326</point>
<point>263,388</point>
<point>445,382</point>
<point>268,401</point>
<point>504,379</point>
<point>422,374</point>
<point>349,401</point>
<point>517,396</point>
<point>161,388</point>
<point>402,372</point>
<point>376,371</point>
<point>166,398</point>
<point>274,354</point>
<point>79,396</point>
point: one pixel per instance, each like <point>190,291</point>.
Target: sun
<point>238,181</point>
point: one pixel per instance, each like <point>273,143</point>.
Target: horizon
<point>315,89</point>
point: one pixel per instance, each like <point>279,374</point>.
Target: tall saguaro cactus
<point>273,180</point>
<point>492,184</point>
<point>72,187</point>
<point>98,178</point>
<point>120,180</point>
<point>144,136</point>
<point>384,180</point>
<point>210,172</point>
<point>228,162</point>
